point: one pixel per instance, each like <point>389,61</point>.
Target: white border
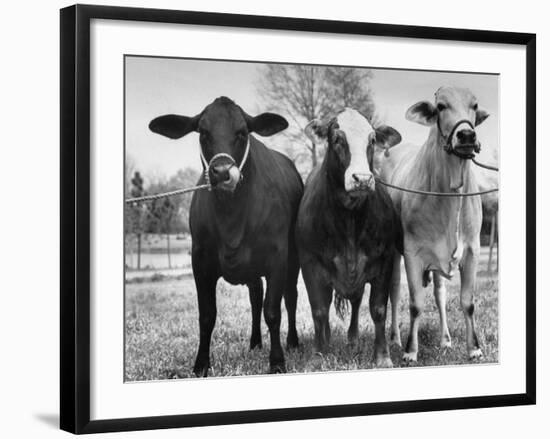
<point>111,398</point>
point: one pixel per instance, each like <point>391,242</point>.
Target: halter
<point>207,165</point>
<point>448,145</point>
<point>371,146</point>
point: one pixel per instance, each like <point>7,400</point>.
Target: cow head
<point>224,130</point>
<point>350,140</point>
<point>456,114</point>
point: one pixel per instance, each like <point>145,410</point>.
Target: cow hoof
<point>384,362</point>
<point>255,345</point>
<point>410,357</point>
<point>396,338</point>
<point>475,354</point>
<point>317,361</point>
<point>277,368</point>
<point>201,371</point>
<point>292,342</point>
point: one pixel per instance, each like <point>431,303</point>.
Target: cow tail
<point>341,304</point>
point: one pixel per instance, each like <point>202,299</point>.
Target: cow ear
<point>423,112</point>
<point>266,124</point>
<point>481,115</point>
<point>316,131</point>
<point>387,136</point>
<point>173,125</point>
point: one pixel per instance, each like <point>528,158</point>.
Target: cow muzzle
<point>360,183</point>
<point>224,176</point>
<point>222,172</point>
<point>462,140</point>
<point>465,142</point>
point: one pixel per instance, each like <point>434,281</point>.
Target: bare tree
<point>303,93</point>
<point>488,179</point>
<point>138,212</point>
<point>129,169</point>
<point>350,87</point>
<point>183,178</point>
<point>161,221</point>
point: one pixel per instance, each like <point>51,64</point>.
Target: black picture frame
<point>75,217</point>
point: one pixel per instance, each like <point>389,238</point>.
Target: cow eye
<point>441,107</point>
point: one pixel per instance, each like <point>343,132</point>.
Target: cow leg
<point>205,282</point>
<point>320,308</point>
<point>291,297</point>
<point>440,293</point>
<point>272,314</point>
<point>394,297</point>
<point>256,292</point>
<point>416,306</point>
<point>319,293</point>
<point>353,331</point>
<point>467,287</point>
<point>378,304</point>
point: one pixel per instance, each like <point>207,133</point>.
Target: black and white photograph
<point>301,218</point>
<point>275,219</point>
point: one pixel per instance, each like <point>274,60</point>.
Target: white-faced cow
<point>243,229</point>
<point>347,230</point>
<point>441,234</point>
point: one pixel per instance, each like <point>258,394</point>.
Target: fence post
<point>491,243</point>
<point>168,250</point>
<point>139,251</point>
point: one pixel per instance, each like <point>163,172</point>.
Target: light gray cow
<point>441,234</point>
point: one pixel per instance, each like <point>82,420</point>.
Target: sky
<point>157,86</point>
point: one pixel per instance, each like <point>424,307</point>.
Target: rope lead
<point>436,194</point>
<point>482,165</point>
<point>413,191</point>
<point>167,194</point>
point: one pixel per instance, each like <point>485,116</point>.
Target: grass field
<point>162,331</point>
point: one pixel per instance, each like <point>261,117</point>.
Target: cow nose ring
<point>208,164</point>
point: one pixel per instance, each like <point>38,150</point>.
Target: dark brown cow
<point>347,230</point>
<point>243,229</point>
